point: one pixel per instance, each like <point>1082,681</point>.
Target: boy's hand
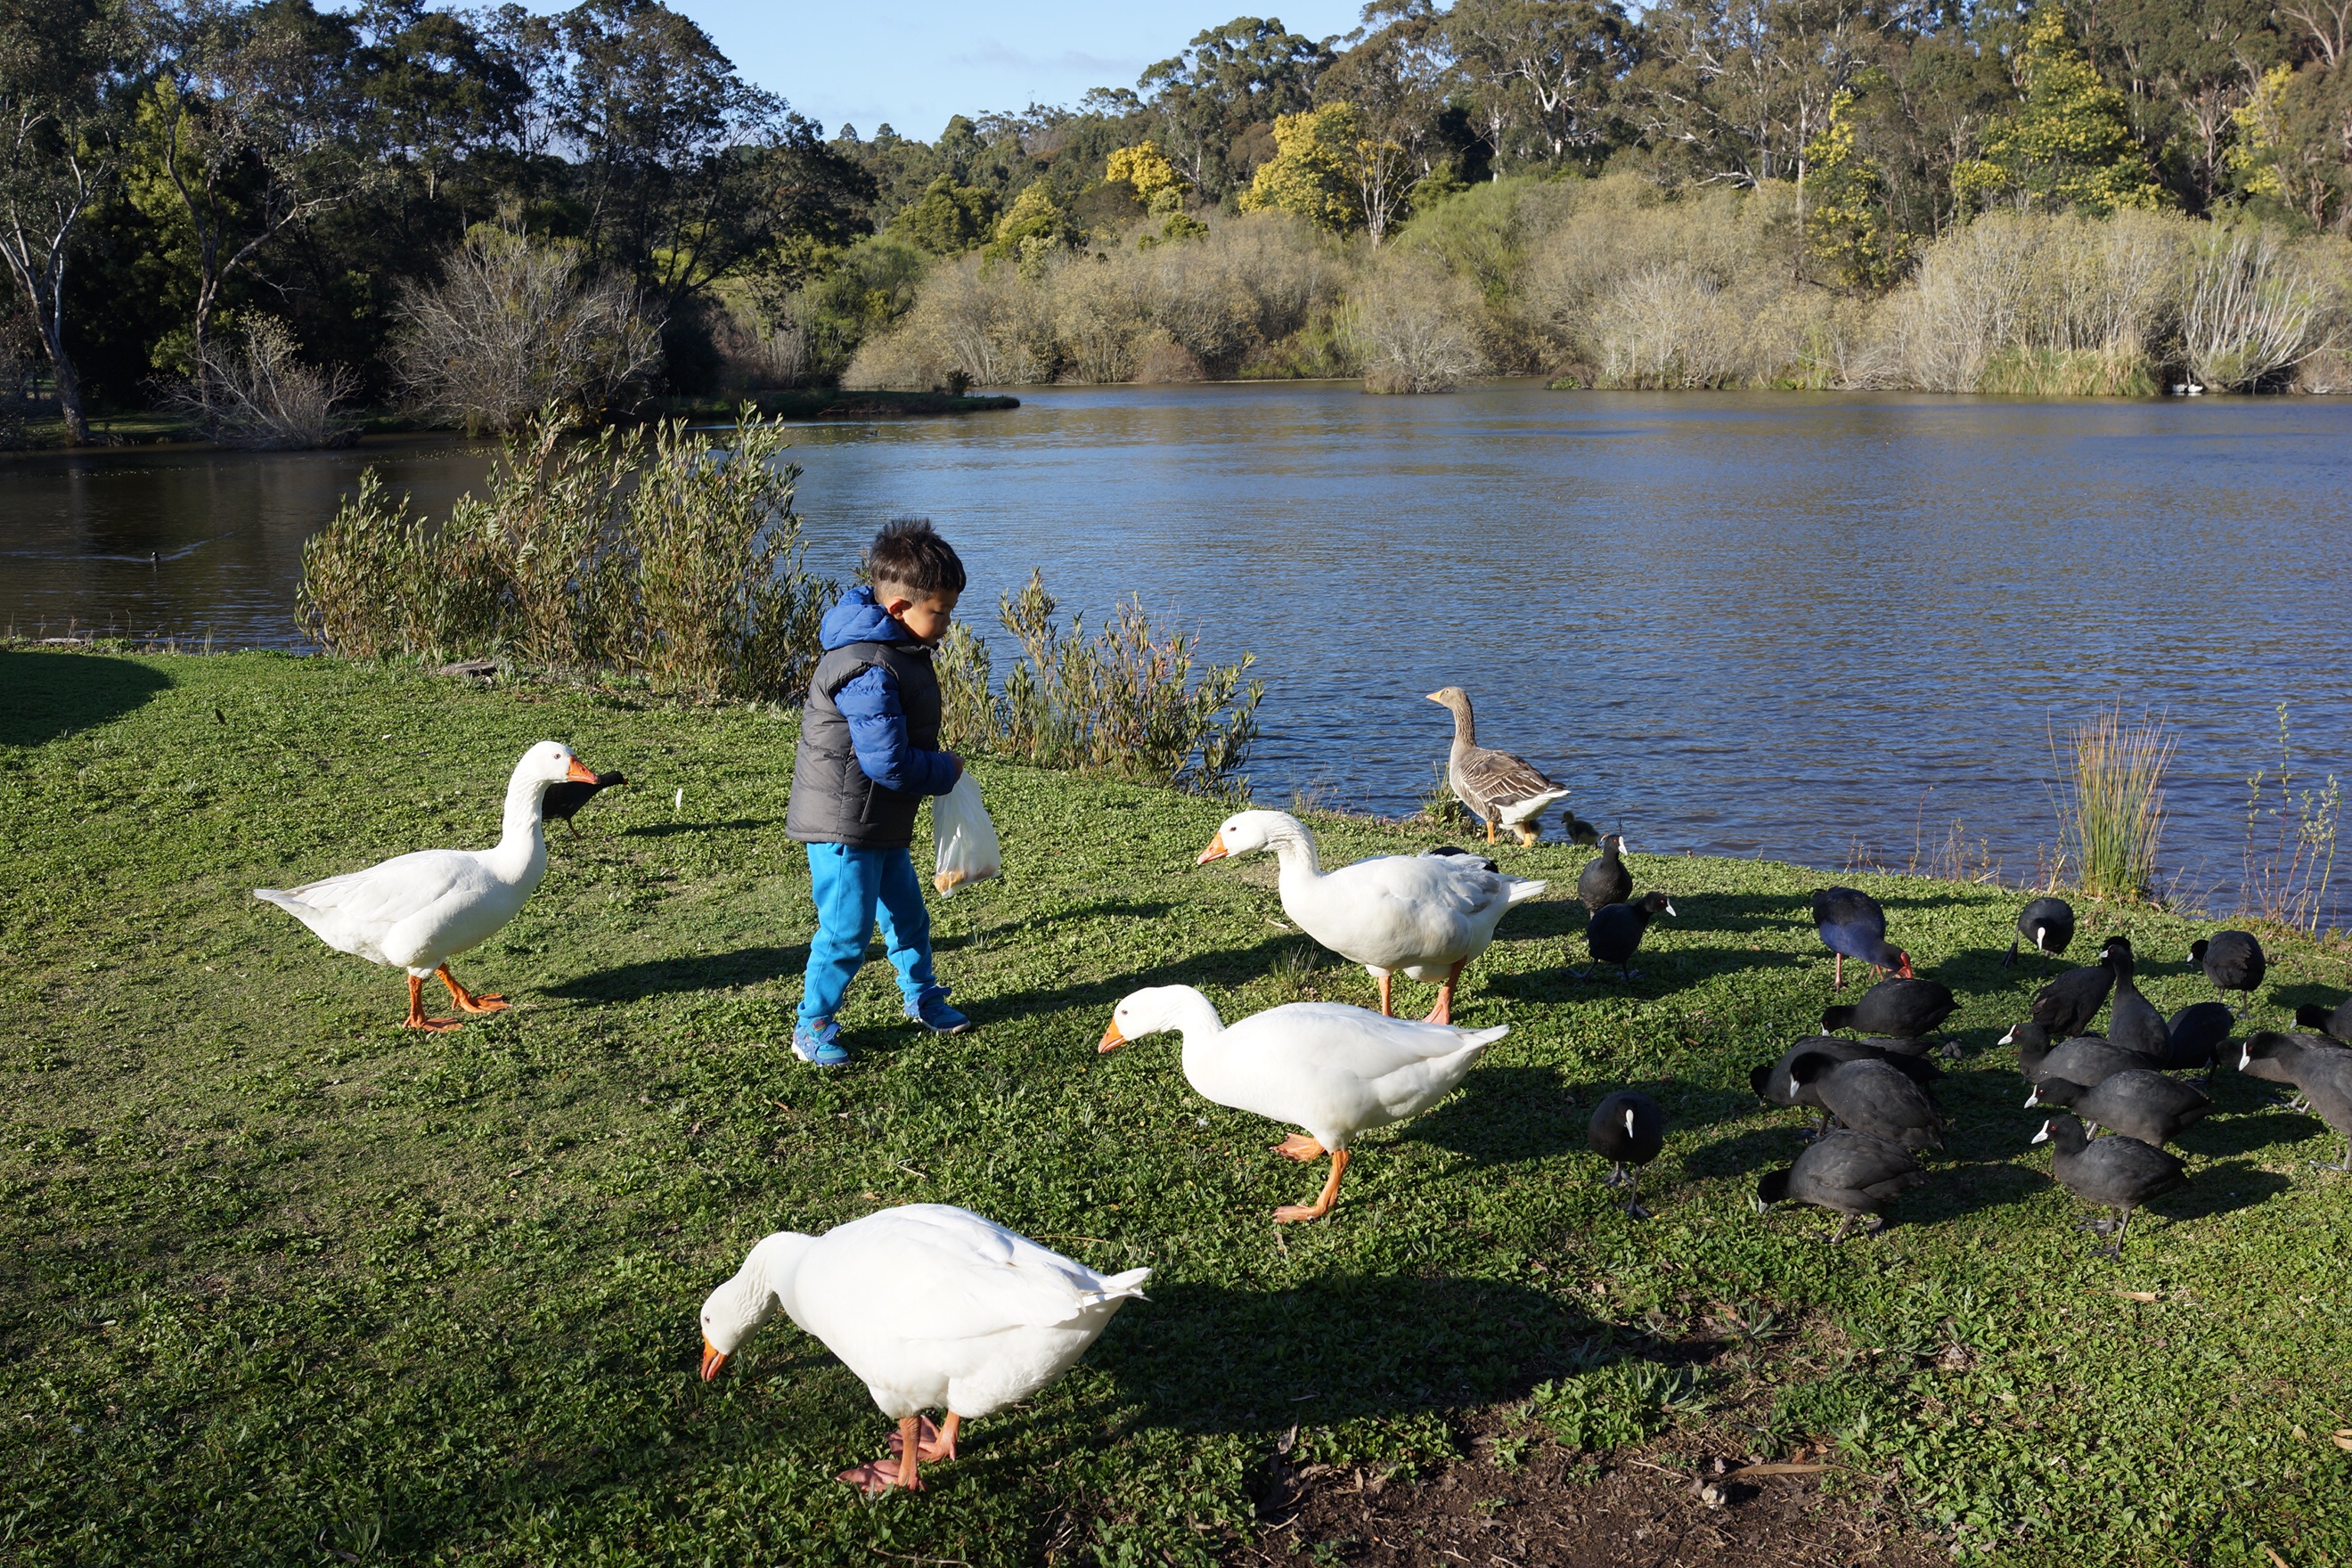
<point>958,762</point>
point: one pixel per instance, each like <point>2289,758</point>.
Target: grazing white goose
<point>1504,790</point>
<point>1427,915</point>
<point>418,912</point>
<point>932,1307</point>
<point>1331,1070</point>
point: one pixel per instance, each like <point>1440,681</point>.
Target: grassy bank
<point>282,1281</point>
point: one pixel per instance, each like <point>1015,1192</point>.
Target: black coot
<point>2195,1035</point>
<point>1457,849</point>
<point>1628,1129</point>
<point>2067,1005</point>
<point>2133,1021</point>
<point>1772,1082</point>
<point>1851,925</point>
<point>2086,1059</point>
<point>1898,1008</point>
<point>1851,1172</point>
<point>2232,960</point>
<point>1616,930</point>
<point>1605,881</point>
<point>2117,1172</point>
<point>565,798</point>
<point>2048,924</point>
<point>1869,1095</point>
<point>2333,1022</point>
<point>2322,1072</point>
<point>2269,1062</point>
<point>2136,1103</point>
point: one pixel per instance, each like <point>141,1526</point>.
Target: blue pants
<point>852,887</point>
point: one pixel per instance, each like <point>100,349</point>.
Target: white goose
<point>418,912</point>
<point>1331,1070</point>
<point>932,1307</point>
<point>1427,915</point>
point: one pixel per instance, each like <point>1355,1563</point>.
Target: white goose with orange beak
<point>1330,1070</point>
<point>418,912</point>
<point>933,1308</point>
<point>1427,915</point>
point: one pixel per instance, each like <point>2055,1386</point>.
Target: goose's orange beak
<point>712,1361</point>
<point>1112,1039</point>
<point>578,773</point>
<point>1215,851</point>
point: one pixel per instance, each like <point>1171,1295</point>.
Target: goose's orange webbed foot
<point>471,1001</point>
<point>1300,1147</point>
<point>416,1019</point>
<point>1289,1214</point>
<point>933,1444</point>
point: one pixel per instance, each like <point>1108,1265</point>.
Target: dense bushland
<point>1615,282</point>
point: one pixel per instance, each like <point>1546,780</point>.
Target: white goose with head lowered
<point>933,1308</point>
<point>1426,915</point>
<point>1330,1070</point>
<point>418,912</point>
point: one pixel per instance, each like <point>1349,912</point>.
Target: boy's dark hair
<point>909,555</point>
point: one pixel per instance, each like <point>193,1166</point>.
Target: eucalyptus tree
<point>1540,76</point>
<point>66,70</point>
<point>1393,77</point>
<point>1226,82</point>
<point>254,127</point>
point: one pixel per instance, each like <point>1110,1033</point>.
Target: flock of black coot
<point>2116,1099</point>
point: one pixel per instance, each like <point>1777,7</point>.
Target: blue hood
<point>858,618</point>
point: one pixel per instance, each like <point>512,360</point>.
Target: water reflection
<point>1776,623</point>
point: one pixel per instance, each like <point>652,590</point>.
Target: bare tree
<point>515,326</point>
<point>256,393</point>
<point>2329,22</point>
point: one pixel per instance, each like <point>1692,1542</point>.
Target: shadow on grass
<point>1214,1359</point>
<point>1503,1116</point>
<point>701,971</point>
<point>2221,1188</point>
<point>1234,967</point>
<point>44,696</point>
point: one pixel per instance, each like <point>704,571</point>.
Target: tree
<point>949,219</point>
<point>436,89</point>
<point>1850,227</point>
<point>2293,139</point>
<point>61,67</point>
<point>1308,176</point>
<point>252,131</point>
<point>1740,89</point>
<point>1230,78</point>
<point>670,144</point>
<point>1033,224</point>
<point>2185,66</point>
<point>2069,144</point>
<point>1392,83</point>
<point>1542,73</point>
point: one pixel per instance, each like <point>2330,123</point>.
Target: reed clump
<point>653,552</point>
<point>2111,819</point>
<point>1124,701</point>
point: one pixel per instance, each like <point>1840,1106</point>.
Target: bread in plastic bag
<point>966,838</point>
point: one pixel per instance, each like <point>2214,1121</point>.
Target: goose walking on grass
<point>2118,1173</point>
<point>1501,789</point>
<point>1426,915</point>
<point>933,1308</point>
<point>1851,1173</point>
<point>418,912</point>
<point>1331,1070</point>
<point>2048,924</point>
<point>1852,925</point>
<point>1628,1129</point>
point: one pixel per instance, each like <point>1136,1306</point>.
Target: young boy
<point>869,752</point>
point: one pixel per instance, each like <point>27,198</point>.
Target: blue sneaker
<point>818,1044</point>
<point>933,1011</point>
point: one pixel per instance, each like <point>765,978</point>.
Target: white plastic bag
<point>966,838</point>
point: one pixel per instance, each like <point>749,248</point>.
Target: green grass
<point>281,1281</point>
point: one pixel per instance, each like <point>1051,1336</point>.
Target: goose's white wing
<point>932,1271</point>
<point>391,891</point>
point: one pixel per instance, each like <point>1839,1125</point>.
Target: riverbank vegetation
<point>461,214</point>
<point>285,1283</point>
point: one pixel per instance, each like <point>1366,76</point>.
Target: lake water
<point>1777,623</point>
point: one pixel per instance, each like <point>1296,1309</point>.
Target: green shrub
<point>647,552</point>
<point>1122,701</point>
<point>1611,1407</point>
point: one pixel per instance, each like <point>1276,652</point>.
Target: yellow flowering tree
<point>1848,227</point>
<point>1308,175</point>
<point>2068,146</point>
<point>2287,139</point>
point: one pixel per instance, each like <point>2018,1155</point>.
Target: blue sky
<point>914,65</point>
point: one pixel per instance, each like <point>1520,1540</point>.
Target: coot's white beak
<point>2008,1039</point>
<point>2042,1136</point>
